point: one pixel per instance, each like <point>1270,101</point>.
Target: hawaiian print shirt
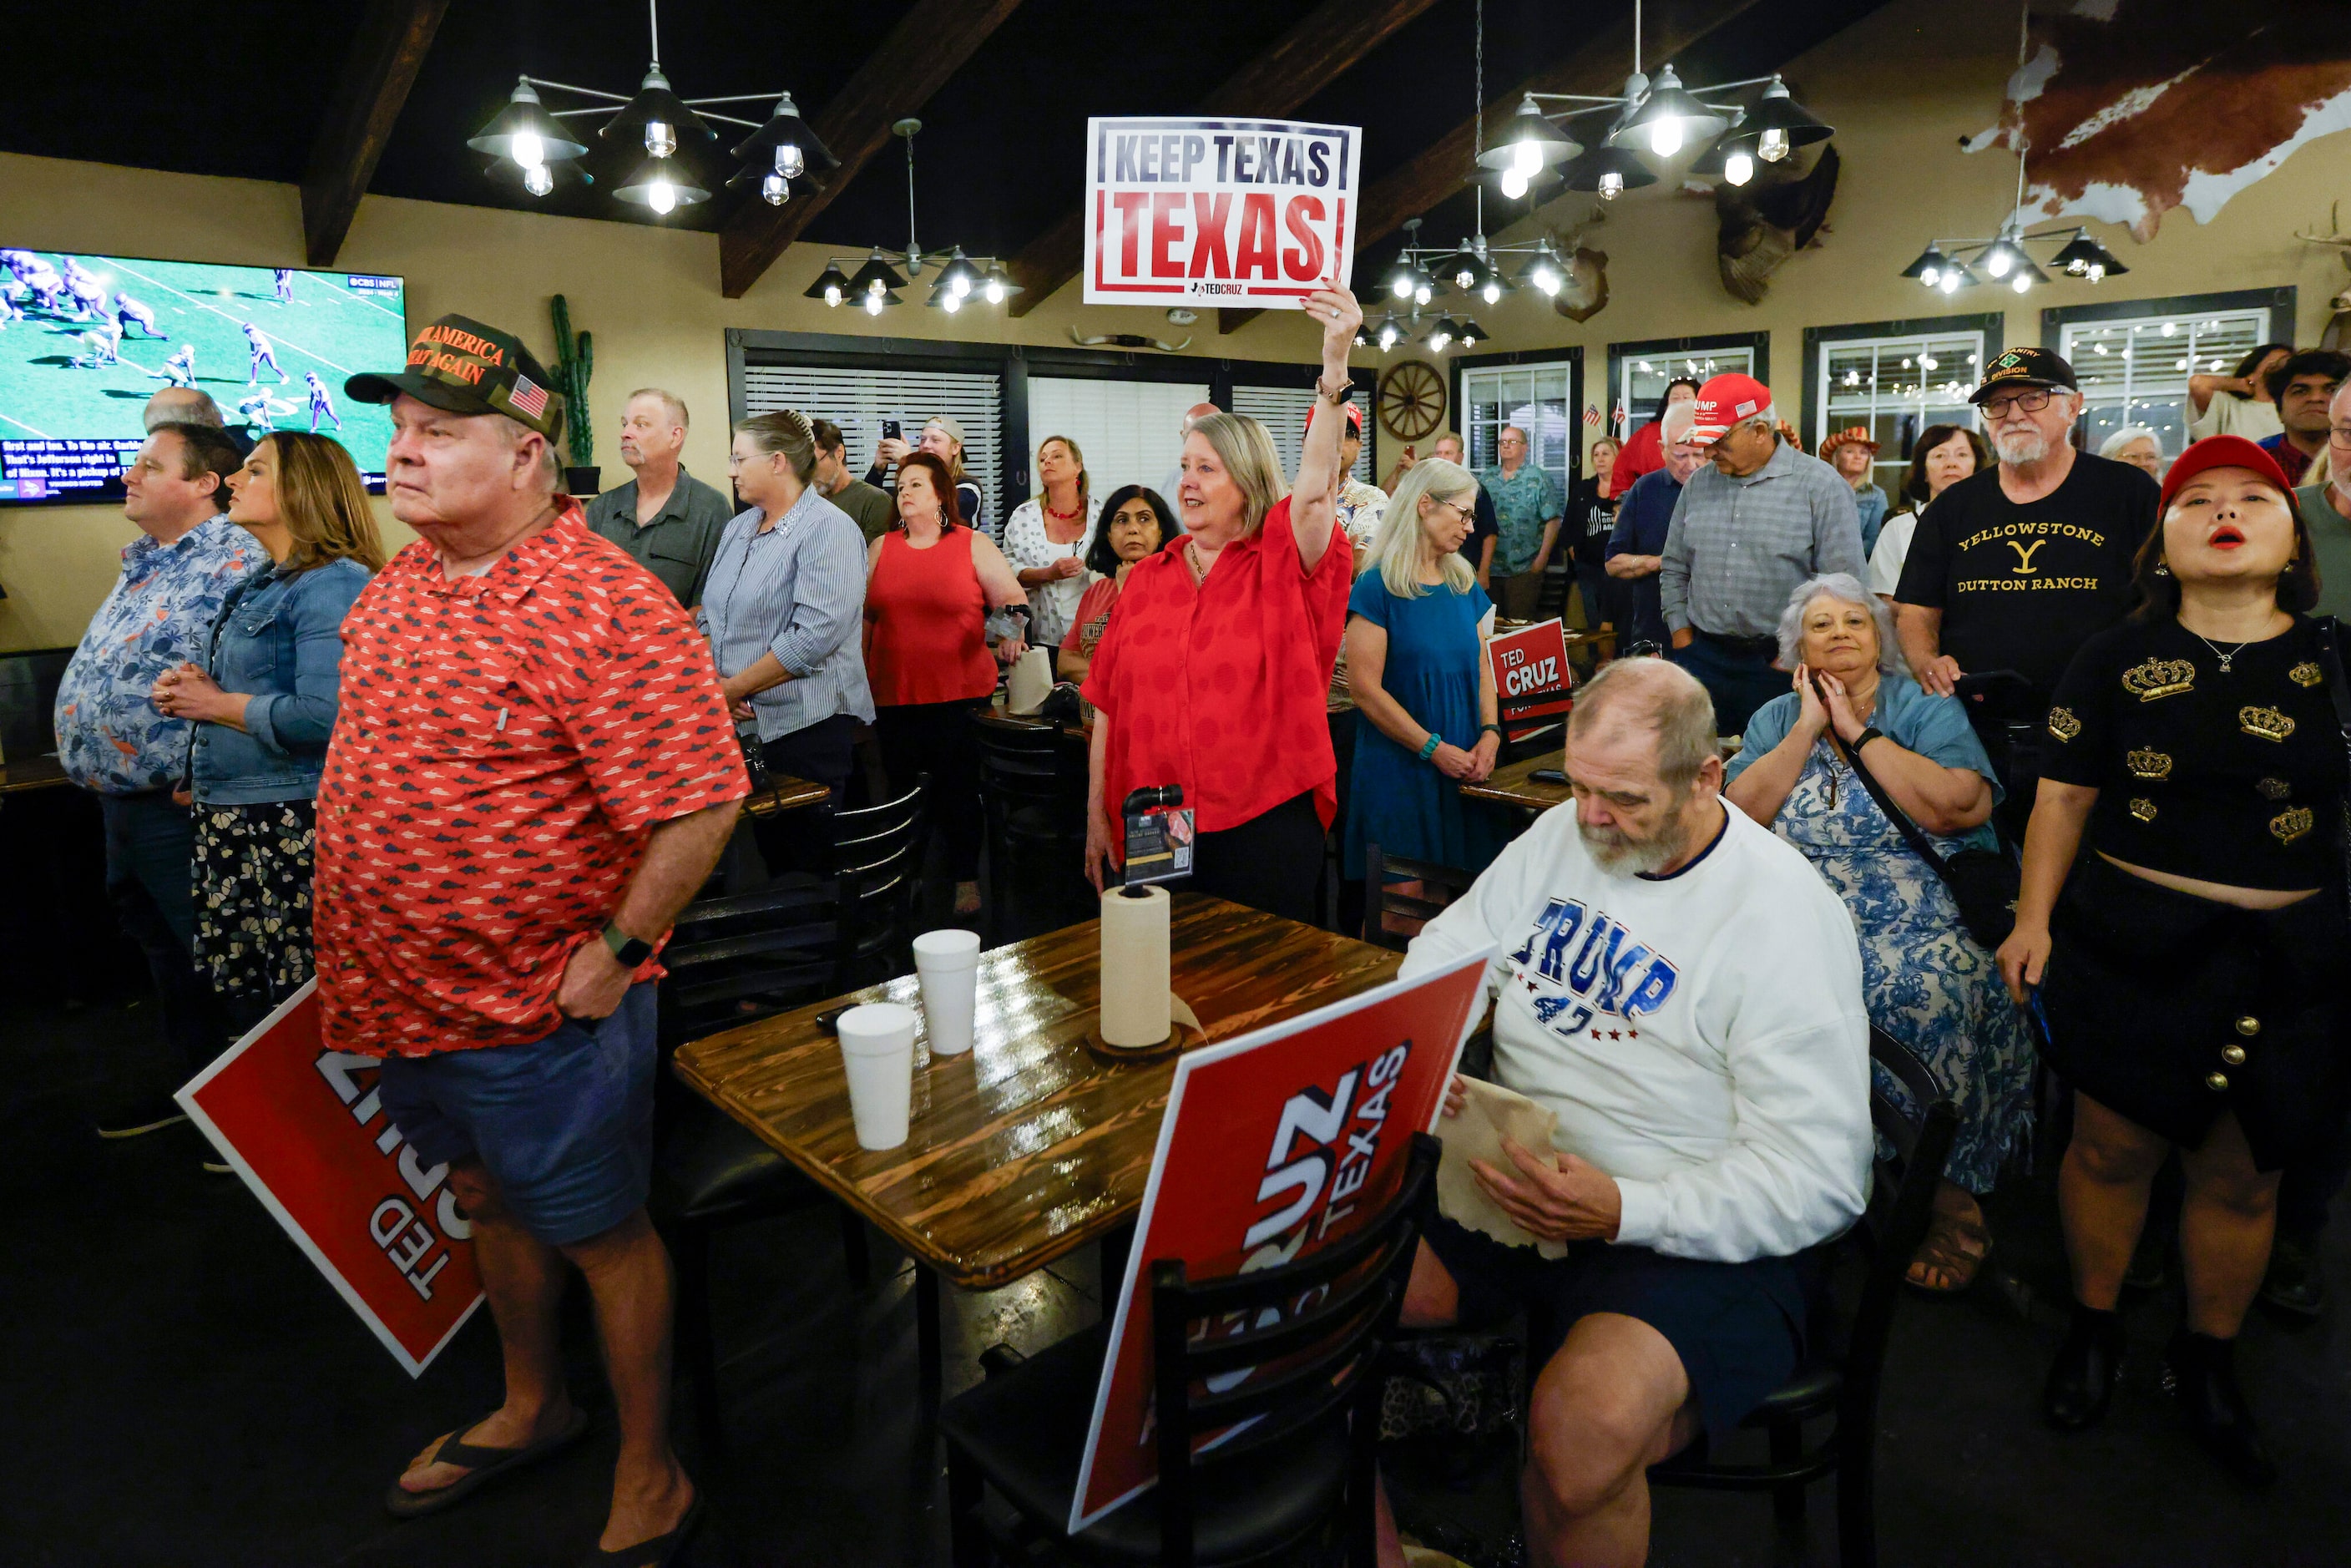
<point>1524,503</point>
<point>159,615</point>
<point>1359,508</point>
<point>505,746</point>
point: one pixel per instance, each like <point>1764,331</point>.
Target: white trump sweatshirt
<point>1700,1035</point>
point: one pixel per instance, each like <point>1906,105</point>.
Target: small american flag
<point>1592,414</point>
<point>528,396</point>
<point>1617,419</point>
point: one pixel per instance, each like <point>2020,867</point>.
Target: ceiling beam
<point>1300,64</point>
<point>385,55</point>
<point>929,45</point>
<point>1674,28</point>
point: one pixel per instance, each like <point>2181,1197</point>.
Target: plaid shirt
<point>1738,548</point>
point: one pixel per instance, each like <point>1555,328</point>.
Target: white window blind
<point>1536,399</point>
<point>860,400</point>
<point>1130,432</point>
<point>1898,387</point>
<point>1283,410</point>
<point>2136,371</point>
<point>1643,381</point>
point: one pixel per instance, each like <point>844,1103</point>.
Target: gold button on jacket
<point>2234,1055</point>
<point>2217,1081</point>
<point>2249,1026</point>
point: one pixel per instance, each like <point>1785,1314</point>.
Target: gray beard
<point>1618,855</point>
<point>2025,446</point>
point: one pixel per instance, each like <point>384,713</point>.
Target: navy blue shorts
<point>1737,1327</point>
<point>564,1124</point>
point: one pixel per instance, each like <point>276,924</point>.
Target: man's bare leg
<point>524,1280</point>
<point>628,1275</point>
<point>1613,1401</point>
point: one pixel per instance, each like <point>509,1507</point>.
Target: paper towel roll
<point>1031,682</point>
<point>1135,1005</point>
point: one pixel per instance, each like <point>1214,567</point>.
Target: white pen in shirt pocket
<point>501,724</point>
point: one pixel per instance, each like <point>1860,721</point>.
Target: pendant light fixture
<point>1945,267</point>
<point>532,142</point>
<point>960,277</point>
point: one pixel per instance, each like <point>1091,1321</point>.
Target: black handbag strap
<point>1911,833</point>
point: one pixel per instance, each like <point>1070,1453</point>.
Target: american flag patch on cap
<point>528,396</point>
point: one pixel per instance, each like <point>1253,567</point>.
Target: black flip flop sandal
<point>658,1552</point>
<point>483,1466</point>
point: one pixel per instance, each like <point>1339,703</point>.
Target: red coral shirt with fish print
<point>506,744</point>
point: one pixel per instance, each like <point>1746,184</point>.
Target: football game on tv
<point>85,340</point>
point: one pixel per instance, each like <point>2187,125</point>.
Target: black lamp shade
<point>1715,162</point>
<point>655,100</point>
<point>1777,111</point>
<point>1585,173</point>
<point>645,187</point>
<point>1931,259</point>
<point>877,268</point>
<point>830,277</point>
<point>787,126</point>
<point>2084,256</point>
<point>999,280</point>
<point>526,115</point>
<point>960,275</point>
<point>1469,334</point>
<point>1463,270</point>
<point>1529,127</point>
<point>1668,99</point>
<point>1400,271</point>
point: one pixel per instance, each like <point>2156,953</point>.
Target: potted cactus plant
<point>575,362</point>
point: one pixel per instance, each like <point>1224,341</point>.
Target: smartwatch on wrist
<point>1866,736</point>
<point>627,950</point>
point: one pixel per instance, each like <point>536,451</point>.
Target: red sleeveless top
<point>926,623</point>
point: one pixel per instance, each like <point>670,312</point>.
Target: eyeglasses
<point>2341,433</point>
<point>2032,402</point>
<point>1471,511</point>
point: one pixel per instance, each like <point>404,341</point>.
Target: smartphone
<point>892,431</point>
<point>1547,775</point>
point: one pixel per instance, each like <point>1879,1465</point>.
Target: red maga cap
<point>1725,401</point>
<point>2223,452</point>
<point>1351,408</point>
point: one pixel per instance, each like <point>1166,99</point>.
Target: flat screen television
<point>85,340</point>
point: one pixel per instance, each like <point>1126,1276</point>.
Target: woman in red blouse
<point>930,582</point>
<point>1213,672</point>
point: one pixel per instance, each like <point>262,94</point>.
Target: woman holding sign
<point>1213,672</point>
<point>1417,624</point>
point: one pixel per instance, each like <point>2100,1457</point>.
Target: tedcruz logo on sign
<point>1332,1166</point>
<point>412,1247</point>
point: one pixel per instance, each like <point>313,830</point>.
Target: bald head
<point>1654,706</point>
<point>183,405</point>
<point>1197,413</point>
<point>1647,779</point>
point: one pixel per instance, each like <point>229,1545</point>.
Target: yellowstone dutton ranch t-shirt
<point>2021,587</point>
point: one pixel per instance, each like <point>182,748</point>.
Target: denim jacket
<point>278,638</point>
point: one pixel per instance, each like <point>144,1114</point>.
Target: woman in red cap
<point>2190,975</point>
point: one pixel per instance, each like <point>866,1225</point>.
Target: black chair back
<point>1393,918</point>
<point>1032,795</point>
<point>1317,1323</point>
<point>1914,1145</point>
<point>877,869</point>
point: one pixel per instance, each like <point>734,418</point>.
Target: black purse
<point>1983,882</point>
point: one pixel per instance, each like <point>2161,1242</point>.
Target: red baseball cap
<point>2223,452</point>
<point>1351,408</point>
<point>1725,401</point>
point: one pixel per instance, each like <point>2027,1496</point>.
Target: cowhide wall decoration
<point>2131,107</point>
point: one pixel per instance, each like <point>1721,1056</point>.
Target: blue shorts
<point>564,1124</point>
<point>1737,1327</point>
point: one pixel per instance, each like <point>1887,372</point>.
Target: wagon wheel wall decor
<point>1412,400</point>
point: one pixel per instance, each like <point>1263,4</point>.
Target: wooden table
<point>784,793</point>
<point>24,773</point>
<point>1509,786</point>
<point>1027,1147</point>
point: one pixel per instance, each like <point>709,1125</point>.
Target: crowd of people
<point>470,788</point>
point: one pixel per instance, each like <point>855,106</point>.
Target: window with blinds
<point>1897,387</point>
<point>1283,410</point>
<point>860,400</point>
<point>1130,432</point>
<point>2135,370</point>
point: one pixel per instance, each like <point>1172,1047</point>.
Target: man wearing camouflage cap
<point>532,772</point>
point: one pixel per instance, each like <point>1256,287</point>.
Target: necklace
<point>2217,653</point>
<point>1054,512</point>
<point>1192,560</point>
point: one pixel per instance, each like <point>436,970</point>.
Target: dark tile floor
<point>178,1387</point>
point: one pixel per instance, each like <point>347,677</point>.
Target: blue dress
<point>1395,800</point>
<point>1924,980</point>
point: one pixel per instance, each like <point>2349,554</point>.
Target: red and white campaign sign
<point>1530,674</point>
<point>1226,211</point>
<point>1273,1146</point>
<point>306,1129</point>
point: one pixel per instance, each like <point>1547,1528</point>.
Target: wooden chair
<point>1842,1387</point>
<point>1392,917</point>
<point>1306,1463</point>
<point>1032,793</point>
<point>732,961</point>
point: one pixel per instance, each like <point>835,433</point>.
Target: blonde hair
<point>953,427</point>
<point>1397,545</point>
<point>1085,480</point>
<point>1246,449</point>
<point>323,502</point>
<point>669,400</point>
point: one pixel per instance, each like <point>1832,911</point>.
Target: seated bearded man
<point>1684,992</point>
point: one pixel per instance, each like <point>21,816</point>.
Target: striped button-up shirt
<point>796,590</point>
<point>1738,548</point>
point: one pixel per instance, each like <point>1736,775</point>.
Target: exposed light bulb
<point>1401,287</point>
<point>1527,158</point>
<point>1739,167</point>
<point>1666,135</point>
<point>790,161</point>
<point>1612,185</point>
<point>660,139</point>
<point>776,189</point>
<point>873,303</point>
<point>1492,291</point>
<point>959,286</point>
<point>2097,273</point>
<point>953,302</point>
<point>528,150</point>
<point>1514,182</point>
<point>1388,335</point>
<point>1997,263</point>
<point>1772,146</point>
<point>1547,278</point>
<point>1422,294</point>
<point>660,197</point>
<point>1437,344</point>
<point>1463,277</point>
<point>833,294</point>
<point>2023,282</point>
<point>1932,276</point>
<point>995,291</point>
<point>876,288</point>
<point>1950,284</point>
<point>537,180</point>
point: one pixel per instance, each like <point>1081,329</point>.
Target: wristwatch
<point>1866,736</point>
<point>630,952</point>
